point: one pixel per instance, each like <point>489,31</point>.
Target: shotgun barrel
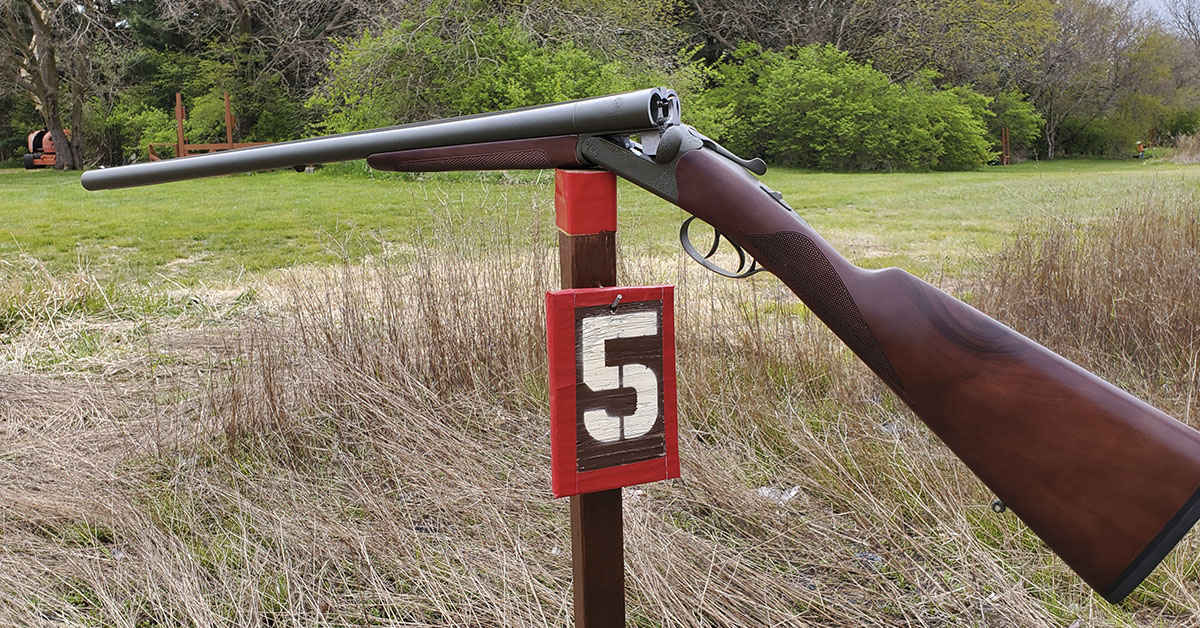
<point>631,112</point>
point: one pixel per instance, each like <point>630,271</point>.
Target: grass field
<point>303,400</point>
<point>209,229</point>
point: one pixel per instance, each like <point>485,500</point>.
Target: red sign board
<point>612,388</point>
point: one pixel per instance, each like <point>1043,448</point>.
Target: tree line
<point>836,84</point>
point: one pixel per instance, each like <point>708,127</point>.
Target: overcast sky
<point>1154,5</point>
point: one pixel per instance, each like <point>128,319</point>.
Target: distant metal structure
<point>40,147</point>
<point>184,149</point>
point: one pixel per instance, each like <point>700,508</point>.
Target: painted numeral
<point>597,375</point>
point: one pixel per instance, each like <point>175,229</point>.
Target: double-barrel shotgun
<point>1108,482</point>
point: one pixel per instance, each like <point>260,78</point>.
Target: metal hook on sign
<point>615,303</point>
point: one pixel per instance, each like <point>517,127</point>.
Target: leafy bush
<point>438,68</point>
<point>815,106</point>
<point>1109,136</point>
<point>1077,136</point>
<point>152,125</point>
<point>262,108</point>
<point>119,126</point>
<point>1013,110</point>
<point>1138,117</point>
<point>18,121</point>
<point>956,122</point>
<point>1180,121</point>
<point>120,134</point>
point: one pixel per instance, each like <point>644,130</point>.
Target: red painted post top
<point>585,201</point>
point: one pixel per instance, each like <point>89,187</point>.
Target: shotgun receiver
<point>1067,451</point>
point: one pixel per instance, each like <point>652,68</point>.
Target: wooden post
<point>585,203</point>
<point>1005,155</point>
<point>228,123</point>
<point>179,115</point>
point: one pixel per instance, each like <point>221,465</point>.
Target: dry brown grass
<point>371,448</point>
<point>1187,149</point>
<point>1118,295</point>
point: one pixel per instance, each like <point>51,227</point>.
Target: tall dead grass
<point>377,454</point>
<point>1118,294</point>
<point>1187,149</point>
<point>29,294</point>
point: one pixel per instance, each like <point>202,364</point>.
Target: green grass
<point>214,229</point>
<point>927,221</point>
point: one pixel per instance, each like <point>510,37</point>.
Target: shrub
<point>120,134</point>
<point>1013,110</point>
<point>955,119</point>
<point>263,109</point>
<point>814,106</point>
<point>1180,121</point>
<point>437,69</point>
<point>18,121</point>
<point>118,126</point>
<point>151,125</point>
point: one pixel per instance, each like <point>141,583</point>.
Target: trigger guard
<point>704,260</point>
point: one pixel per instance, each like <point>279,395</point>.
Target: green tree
<point>450,66</point>
<point>1011,109</point>
<point>46,47</point>
<point>815,106</point>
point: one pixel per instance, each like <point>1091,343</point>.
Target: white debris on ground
<point>778,495</point>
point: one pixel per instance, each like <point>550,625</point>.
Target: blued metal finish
<point>647,109</point>
<point>755,165</point>
<point>658,176</point>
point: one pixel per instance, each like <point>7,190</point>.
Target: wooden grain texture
<point>597,544</point>
<point>579,462</point>
<point>597,529</point>
<point>526,154</point>
<point>591,453</point>
<point>582,259</point>
<point>1107,481</point>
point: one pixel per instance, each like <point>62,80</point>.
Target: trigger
<point>704,259</point>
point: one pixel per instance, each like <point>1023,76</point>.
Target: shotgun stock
<point>1108,482</point>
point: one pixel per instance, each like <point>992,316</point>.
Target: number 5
<point>597,375</point>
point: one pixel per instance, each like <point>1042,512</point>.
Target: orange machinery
<point>41,150</point>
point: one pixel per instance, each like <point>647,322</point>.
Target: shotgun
<point>1108,482</point>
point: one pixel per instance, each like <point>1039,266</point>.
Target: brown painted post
<point>179,115</point>
<point>228,123</point>
<point>585,203</point>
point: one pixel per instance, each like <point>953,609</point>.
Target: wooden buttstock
<point>1107,481</point>
<point>526,154</point>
